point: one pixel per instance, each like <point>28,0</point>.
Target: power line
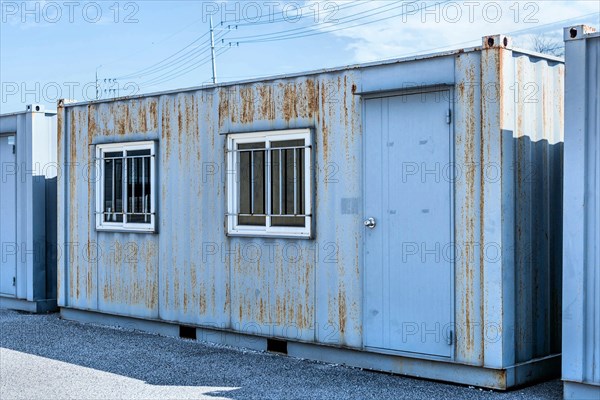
<point>560,23</point>
<point>322,32</point>
<point>185,67</point>
<point>533,28</point>
<point>186,64</point>
<point>155,68</point>
<point>154,43</point>
<point>175,62</point>
<point>301,16</point>
<point>212,52</point>
<point>141,72</point>
<point>517,32</point>
<point>201,62</point>
<point>285,33</point>
<point>182,68</point>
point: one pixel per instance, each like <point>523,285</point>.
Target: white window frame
<point>235,229</point>
<point>125,226</point>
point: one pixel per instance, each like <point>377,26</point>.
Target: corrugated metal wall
<point>36,171</point>
<point>190,272</point>
<point>311,290</point>
<point>538,173</point>
<point>581,304</point>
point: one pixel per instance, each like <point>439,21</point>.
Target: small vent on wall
<point>187,332</point>
<point>277,346</point>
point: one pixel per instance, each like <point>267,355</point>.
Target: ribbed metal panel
<point>581,303</point>
<point>32,255</point>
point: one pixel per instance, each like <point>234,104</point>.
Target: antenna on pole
<point>97,86</point>
<point>212,51</point>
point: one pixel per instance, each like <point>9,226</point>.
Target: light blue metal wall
<point>36,169</point>
<point>311,290</point>
<point>581,293</point>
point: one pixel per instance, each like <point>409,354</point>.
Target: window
<point>126,186</point>
<point>269,183</point>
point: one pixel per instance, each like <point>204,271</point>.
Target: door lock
<point>370,223</point>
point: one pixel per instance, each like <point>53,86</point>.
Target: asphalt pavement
<point>44,357</point>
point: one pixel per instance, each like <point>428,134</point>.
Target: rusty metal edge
<point>281,76</point>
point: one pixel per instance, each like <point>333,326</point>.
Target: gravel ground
<point>44,357</point>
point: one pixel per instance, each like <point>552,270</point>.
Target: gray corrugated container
<point>581,258</point>
<point>28,209</point>
<point>496,119</point>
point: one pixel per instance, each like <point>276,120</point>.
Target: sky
<point>55,49</point>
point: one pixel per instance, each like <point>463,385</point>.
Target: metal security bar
<point>267,149</point>
<point>125,213</point>
<point>275,179</point>
<point>267,215</point>
<point>252,181</point>
<point>134,173</point>
<point>270,193</point>
<point>277,153</point>
<point>124,157</point>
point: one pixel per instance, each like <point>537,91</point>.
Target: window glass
<point>252,184</point>
<point>138,185</point>
<point>113,187</point>
<point>287,183</point>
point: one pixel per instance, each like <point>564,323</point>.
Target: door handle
<point>370,223</point>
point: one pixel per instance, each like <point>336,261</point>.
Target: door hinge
<point>14,281</point>
<point>450,339</point>
<point>449,116</point>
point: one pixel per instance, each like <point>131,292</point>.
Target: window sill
<point>125,230</point>
<point>271,235</point>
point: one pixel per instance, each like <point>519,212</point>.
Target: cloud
<point>425,26</point>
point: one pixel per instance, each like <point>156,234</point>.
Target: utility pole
<point>212,50</point>
<point>97,87</point>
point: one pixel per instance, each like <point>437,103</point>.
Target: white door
<point>8,216</point>
<point>408,249</point>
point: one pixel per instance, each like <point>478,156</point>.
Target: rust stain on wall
<point>227,303</point>
<point>151,276</point>
<point>142,117</point>
<point>290,102</point>
<point>342,309</point>
<point>470,170</point>
<point>312,97</point>
<point>181,128</point>
<point>78,119</point>
<point>166,132</point>
<point>560,100</point>
<point>267,105</point>
<point>122,115</point>
<point>92,125</point>
<point>247,97</point>
<point>153,108</point>
<point>224,111</point>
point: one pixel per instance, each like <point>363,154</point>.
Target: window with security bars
<point>270,184</point>
<point>125,188</point>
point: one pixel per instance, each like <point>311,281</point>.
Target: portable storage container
<point>401,216</point>
<point>581,243</point>
<point>28,170</point>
